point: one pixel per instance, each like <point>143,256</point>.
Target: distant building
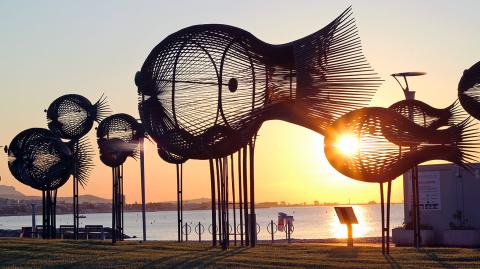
<point>449,203</point>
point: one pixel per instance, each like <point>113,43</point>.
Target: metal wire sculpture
<point>118,137</point>
<point>205,90</point>
<point>469,90</point>
<point>71,116</point>
<point>384,144</point>
<point>42,161</point>
<point>427,116</point>
<point>380,132</point>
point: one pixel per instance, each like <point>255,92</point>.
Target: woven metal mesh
<point>118,137</point>
<point>428,116</point>
<point>72,116</point>
<point>384,137</point>
<point>205,90</point>
<point>40,159</point>
<point>469,90</point>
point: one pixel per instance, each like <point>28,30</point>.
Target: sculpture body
<point>205,90</point>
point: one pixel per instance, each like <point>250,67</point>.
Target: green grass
<point>35,253</point>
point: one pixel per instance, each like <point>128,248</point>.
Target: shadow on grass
<point>433,256</point>
<point>393,263</point>
<point>343,252</point>
<point>187,260</point>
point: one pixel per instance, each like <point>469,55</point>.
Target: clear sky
<point>50,48</point>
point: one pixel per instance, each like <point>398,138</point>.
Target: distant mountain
<point>86,198</point>
<point>192,201</point>
<point>9,192</point>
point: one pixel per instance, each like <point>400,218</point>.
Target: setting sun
<point>347,144</point>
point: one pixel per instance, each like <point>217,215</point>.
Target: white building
<point>449,204</point>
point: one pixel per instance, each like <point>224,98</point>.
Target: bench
<point>66,229</point>
<point>95,229</point>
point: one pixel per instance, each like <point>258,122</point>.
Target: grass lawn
<point>35,253</point>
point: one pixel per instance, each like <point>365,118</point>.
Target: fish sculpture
<point>39,159</point>
<point>469,90</point>
<point>427,116</point>
<point>118,137</point>
<point>206,89</point>
<point>381,140</point>
<point>71,116</point>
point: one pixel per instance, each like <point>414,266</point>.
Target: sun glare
<point>347,144</point>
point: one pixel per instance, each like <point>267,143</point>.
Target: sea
<point>310,222</point>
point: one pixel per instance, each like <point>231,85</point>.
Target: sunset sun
<point>347,144</point>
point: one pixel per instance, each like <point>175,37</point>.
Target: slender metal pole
<point>383,217</point>
<point>179,217</point>
<point>245,197</point>
<point>114,226</point>
<point>253,222</point>
<point>212,190</point>
<point>233,202</point>
<point>389,194</point>
<point>240,194</point>
<point>219,205</point>
<point>142,180</point>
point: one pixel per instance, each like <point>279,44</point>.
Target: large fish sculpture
<point>469,90</point>
<point>206,90</point>
<point>379,142</point>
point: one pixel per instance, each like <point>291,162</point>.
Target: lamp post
<point>410,95</point>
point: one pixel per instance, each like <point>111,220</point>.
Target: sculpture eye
<point>233,84</point>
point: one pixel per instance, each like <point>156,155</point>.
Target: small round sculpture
<point>118,137</point>
<point>71,116</point>
<point>40,159</point>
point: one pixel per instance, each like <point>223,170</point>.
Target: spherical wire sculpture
<point>118,137</point>
<point>469,90</point>
<point>71,116</point>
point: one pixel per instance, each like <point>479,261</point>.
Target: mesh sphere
<point>469,90</point>
<point>39,159</point>
<point>118,137</point>
<point>72,116</point>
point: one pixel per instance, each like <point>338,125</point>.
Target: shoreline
<point>199,209</point>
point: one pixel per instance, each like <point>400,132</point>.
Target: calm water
<point>310,222</point>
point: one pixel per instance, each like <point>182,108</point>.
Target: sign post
<point>347,216</point>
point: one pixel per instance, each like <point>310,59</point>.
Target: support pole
<point>233,202</point>
<point>389,194</point>
<point>253,219</point>
<point>350,235</point>
<point>245,197</point>
<point>75,195</point>
<point>383,217</point>
<point>240,194</point>
<point>219,203</point>
<point>179,202</point>
<point>114,204</point>
<point>142,182</point>
<point>212,190</point>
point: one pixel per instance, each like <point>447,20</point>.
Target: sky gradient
<point>50,48</point>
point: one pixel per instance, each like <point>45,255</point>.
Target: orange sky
<point>53,48</point>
